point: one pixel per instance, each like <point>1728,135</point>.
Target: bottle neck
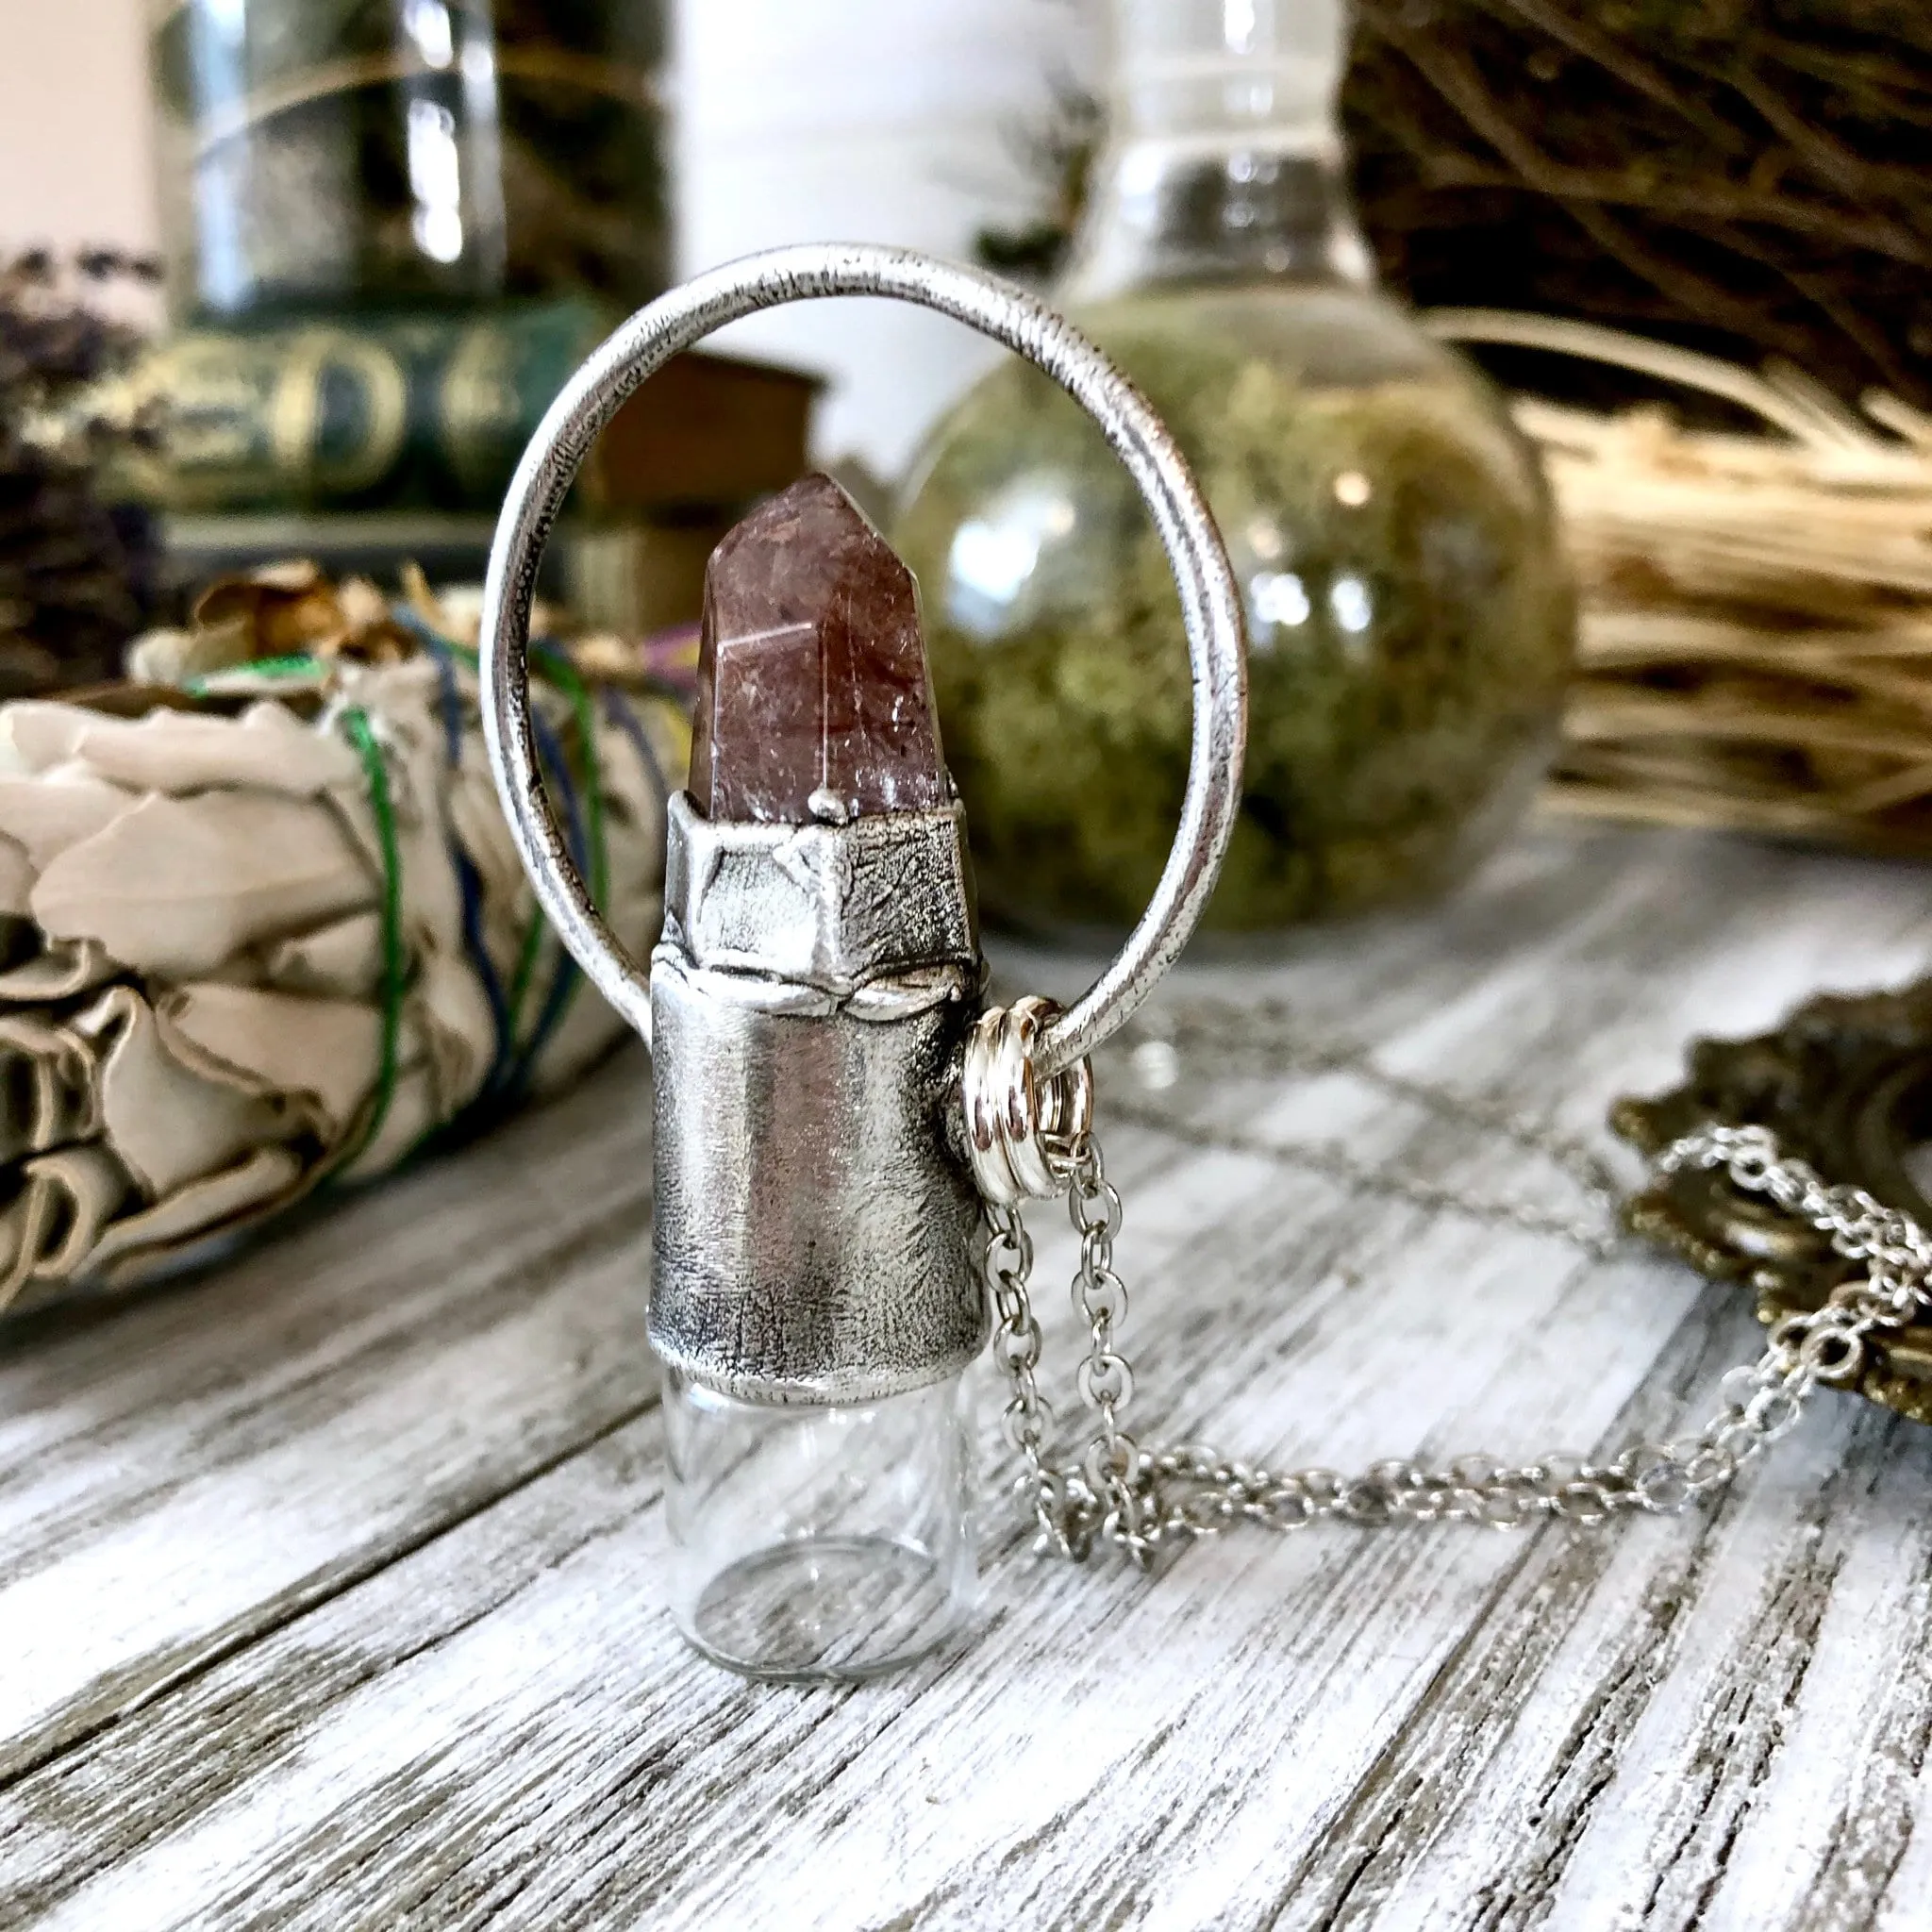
<point>1223,160</point>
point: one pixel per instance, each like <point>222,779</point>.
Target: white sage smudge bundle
<point>269,932</point>
<point>1755,641</point>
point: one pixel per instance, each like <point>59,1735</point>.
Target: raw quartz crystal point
<point>814,701</point>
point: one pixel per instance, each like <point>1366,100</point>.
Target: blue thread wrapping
<point>618,709</point>
<point>510,1068</point>
<point>557,999</point>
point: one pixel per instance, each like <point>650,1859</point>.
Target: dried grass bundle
<point>1755,637</point>
<point>1743,178</point>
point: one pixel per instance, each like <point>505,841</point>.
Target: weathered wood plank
<point>1714,1722</point>
<point>194,1468</point>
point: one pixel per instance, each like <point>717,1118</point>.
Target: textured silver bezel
<point>831,907</point>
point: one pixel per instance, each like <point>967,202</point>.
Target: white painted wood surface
<point>328,1582</point>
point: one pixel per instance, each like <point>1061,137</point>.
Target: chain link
<point>1265,1040</point>
<point>1141,1500</point>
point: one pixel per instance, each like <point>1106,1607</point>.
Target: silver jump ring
<point>1024,1131</point>
<point>1211,601</point>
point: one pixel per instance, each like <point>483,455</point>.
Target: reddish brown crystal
<point>814,697</point>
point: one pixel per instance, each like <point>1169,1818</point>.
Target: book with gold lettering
<point>430,412</point>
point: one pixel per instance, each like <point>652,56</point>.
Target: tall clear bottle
<point>1409,610</point>
<point>335,154</point>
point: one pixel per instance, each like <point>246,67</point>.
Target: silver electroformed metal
<point>816,995</point>
<point>814,1212</point>
<point>830,1085</point>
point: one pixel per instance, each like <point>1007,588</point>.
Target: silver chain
<point>1143,1500</point>
<point>1266,1039</point>
<point>1598,1236</point>
<point>1208,1037</point>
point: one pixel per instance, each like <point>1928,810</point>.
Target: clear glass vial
<point>820,1541</point>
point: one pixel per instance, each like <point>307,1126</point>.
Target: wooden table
<point>329,1582</point>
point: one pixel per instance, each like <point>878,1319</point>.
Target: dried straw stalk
<point>1756,636</point>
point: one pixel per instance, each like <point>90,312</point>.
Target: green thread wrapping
<point>532,945</point>
<point>565,676</point>
<point>301,665</point>
<point>526,972</point>
<point>355,728</point>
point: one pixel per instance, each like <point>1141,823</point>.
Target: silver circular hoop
<point>1210,600</point>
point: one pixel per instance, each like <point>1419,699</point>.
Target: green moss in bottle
<point>1411,616</point>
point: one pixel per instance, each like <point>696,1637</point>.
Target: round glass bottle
<point>338,154</point>
<point>1411,614</point>
<point>820,1542</point>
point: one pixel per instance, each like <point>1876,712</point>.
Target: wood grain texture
<point>328,1584</point>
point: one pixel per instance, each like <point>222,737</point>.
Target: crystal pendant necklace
<point>847,1126</point>
<point>817,978</point>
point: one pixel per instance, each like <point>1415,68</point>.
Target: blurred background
<point>863,119</point>
<point>294,279</point>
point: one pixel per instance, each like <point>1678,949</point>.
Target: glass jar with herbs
<point>1411,618</point>
<point>341,154</point>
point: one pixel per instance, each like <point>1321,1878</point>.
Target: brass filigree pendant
<point>1845,1083</point>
